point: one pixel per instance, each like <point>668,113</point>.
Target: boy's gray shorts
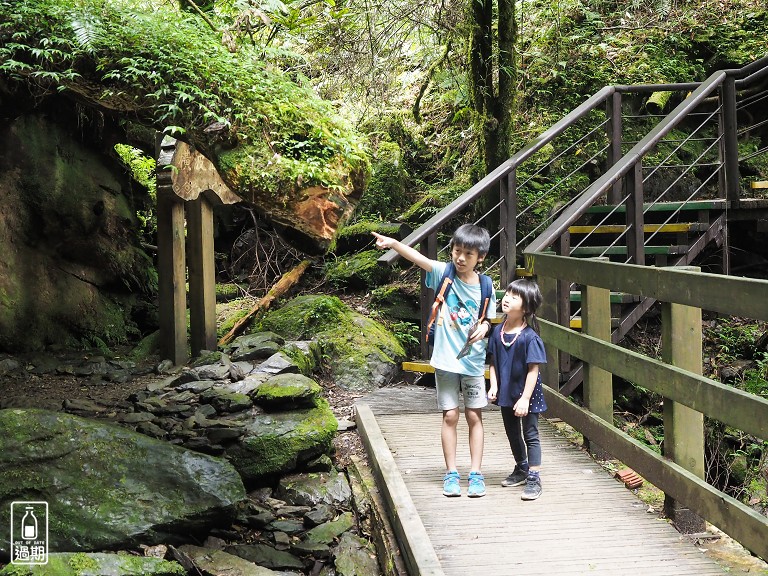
<point>448,385</point>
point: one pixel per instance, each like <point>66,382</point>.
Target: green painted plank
<point>622,250</point>
<point>662,207</point>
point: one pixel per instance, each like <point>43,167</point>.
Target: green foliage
<point>142,169</point>
<point>385,195</point>
<point>169,69</point>
<point>408,334</point>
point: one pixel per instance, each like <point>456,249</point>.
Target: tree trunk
<point>286,282</point>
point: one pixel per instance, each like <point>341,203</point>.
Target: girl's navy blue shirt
<point>511,364</point>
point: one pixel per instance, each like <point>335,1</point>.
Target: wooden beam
<point>202,275</point>
<point>744,411</point>
<point>171,272</point>
<point>713,292</point>
<point>683,427</point>
<point>598,383</point>
<point>738,520</point>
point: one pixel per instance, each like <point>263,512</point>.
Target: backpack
<point>486,289</point>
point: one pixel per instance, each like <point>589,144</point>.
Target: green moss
<point>304,317</point>
<point>81,563</point>
<point>357,271</point>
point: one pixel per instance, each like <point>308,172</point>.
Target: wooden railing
<point>589,140</point>
<point>688,396</point>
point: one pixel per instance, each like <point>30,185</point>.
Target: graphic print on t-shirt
<point>461,314</point>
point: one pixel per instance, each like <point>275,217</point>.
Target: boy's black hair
<point>530,294</point>
<point>472,237</point>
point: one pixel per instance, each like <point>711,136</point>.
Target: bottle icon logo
<point>29,533</point>
<point>29,524</point>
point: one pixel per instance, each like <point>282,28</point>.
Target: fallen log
<point>286,282</point>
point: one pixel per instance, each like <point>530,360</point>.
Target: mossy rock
<point>287,392</point>
<point>362,353</point>
<point>358,271</point>
<point>397,301</point>
<point>357,236</point>
<point>81,564</point>
<point>278,443</point>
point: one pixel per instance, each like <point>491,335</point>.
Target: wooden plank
<point>662,207</point>
<point>762,184</point>
<point>745,296</point>
<point>570,530</point>
<point>647,228</point>
<point>616,297</point>
<point>727,404</point>
<point>419,554</point>
<point>741,522</point>
<point>622,250</point>
<point>202,275</point>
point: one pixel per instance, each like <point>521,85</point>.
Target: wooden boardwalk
<point>585,522</point>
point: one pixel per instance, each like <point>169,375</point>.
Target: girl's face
<point>465,259</point>
<point>512,305</point>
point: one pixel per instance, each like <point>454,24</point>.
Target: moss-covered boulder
<point>281,442</point>
<point>362,353</point>
<point>99,564</point>
<point>287,392</point>
<point>70,259</point>
<point>358,271</point>
<point>108,487</point>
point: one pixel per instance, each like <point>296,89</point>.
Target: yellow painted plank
<point>759,184</point>
<point>424,367</point>
<point>619,228</point>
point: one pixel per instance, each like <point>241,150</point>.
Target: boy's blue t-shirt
<point>459,311</point>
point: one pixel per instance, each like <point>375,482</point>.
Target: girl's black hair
<point>530,294</point>
<point>472,237</point>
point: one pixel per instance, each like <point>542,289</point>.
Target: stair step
<point>616,297</point>
<point>622,250</point>
<point>662,207</point>
<point>576,323</point>
<point>647,228</point>
<point>424,367</point>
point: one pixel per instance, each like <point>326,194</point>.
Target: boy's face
<point>465,259</point>
<point>512,304</point>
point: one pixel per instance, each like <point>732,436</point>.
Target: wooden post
<point>598,383</point>
<point>426,296</point>
<point>613,130</point>
<point>508,220</point>
<point>683,427</point>
<point>635,233</point>
<point>202,276</point>
<point>550,373</point>
<point>171,272</point>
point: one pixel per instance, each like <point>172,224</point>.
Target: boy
<point>460,311</point>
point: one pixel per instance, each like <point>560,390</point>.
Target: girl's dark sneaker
<point>517,477</point>
<point>532,488</point>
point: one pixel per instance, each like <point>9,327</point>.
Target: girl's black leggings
<point>523,435</point>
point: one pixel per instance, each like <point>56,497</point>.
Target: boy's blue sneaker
<point>451,486</point>
<point>476,485</point>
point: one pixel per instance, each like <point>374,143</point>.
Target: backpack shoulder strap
<point>486,291</point>
<point>444,287</point>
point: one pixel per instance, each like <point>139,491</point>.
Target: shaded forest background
<point>395,106</point>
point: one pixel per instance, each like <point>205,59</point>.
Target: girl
<point>515,382</point>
